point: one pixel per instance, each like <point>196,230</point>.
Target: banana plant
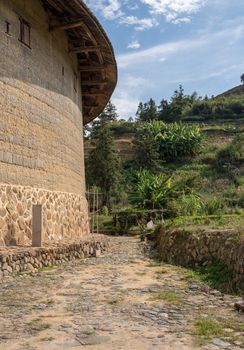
<point>151,191</point>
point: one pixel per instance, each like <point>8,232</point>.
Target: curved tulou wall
<point>41,144</point>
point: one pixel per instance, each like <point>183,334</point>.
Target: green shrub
<point>216,275</point>
<point>231,156</point>
<point>241,200</point>
<point>173,209</point>
<point>230,107</point>
<point>125,219</point>
<point>191,204</point>
<point>228,156</point>
<point>201,108</point>
<point>173,141</point>
<point>121,127</point>
<point>213,206</point>
<point>208,328</point>
<point>104,211</point>
<point>151,191</point>
<point>187,179</point>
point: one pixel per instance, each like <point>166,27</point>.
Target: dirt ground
<point>122,300</point>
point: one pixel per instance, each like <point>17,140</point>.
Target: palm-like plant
<point>151,191</point>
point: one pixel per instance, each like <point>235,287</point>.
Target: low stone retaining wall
<point>193,249</point>
<point>14,261</point>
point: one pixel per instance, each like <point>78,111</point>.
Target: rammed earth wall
<point>41,138</point>
<point>64,214</point>
<point>202,248</point>
<point>41,142</point>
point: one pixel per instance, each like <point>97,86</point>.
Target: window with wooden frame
<point>25,30</point>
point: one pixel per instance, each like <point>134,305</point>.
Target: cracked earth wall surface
<point>120,300</point>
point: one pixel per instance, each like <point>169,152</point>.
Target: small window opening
<point>25,29</point>
<point>63,70</point>
<point>7,31</point>
<point>75,82</point>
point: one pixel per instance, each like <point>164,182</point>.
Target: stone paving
<point>122,300</point>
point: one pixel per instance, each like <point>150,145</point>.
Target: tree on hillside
<point>109,115</point>
<point>242,78</point>
<point>147,111</point>
<point>164,110</point>
<point>173,110</point>
<point>146,151</point>
<point>103,165</point>
<point>180,101</point>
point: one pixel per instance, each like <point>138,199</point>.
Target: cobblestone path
<point>122,300</point>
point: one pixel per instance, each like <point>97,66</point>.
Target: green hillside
<point>191,166</point>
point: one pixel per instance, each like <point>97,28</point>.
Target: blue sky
<point>160,44</point>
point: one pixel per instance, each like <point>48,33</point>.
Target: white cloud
<point>126,104</point>
<point>119,10</point>
<point>134,45</point>
<point>139,23</point>
<point>155,53</point>
<point>152,54</point>
<point>212,74</point>
<point>128,94</point>
<point>133,7</point>
<point>174,9</point>
<point>110,9</point>
<point>181,20</point>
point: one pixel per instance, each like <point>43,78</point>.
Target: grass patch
<point>141,273</point>
<point>192,275</point>
<point>205,222</point>
<point>216,276</point>
<point>154,264</point>
<point>37,325</point>
<point>168,296</point>
<point>47,339</point>
<point>234,324</point>
<point>105,223</point>
<point>115,301</point>
<point>15,300</point>
<point>161,272</point>
<point>47,268</point>
<point>207,328</point>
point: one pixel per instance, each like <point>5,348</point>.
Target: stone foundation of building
<point>65,215</point>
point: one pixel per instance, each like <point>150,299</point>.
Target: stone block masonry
<point>18,260</point>
<point>194,249</point>
<point>65,215</point>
